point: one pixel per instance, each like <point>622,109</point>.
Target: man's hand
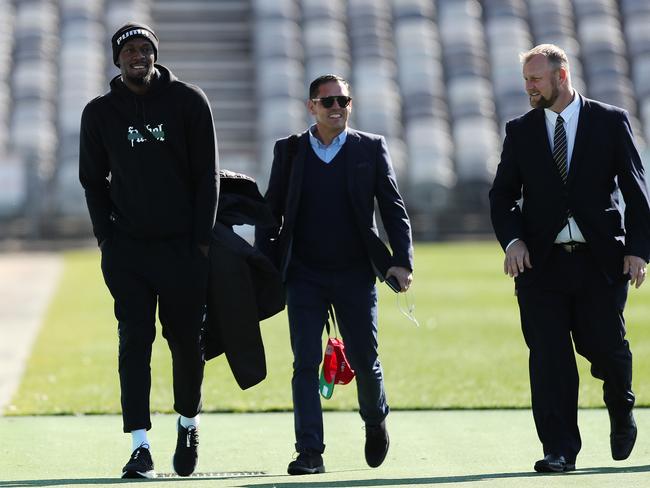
<point>517,259</point>
<point>635,266</point>
<point>404,276</point>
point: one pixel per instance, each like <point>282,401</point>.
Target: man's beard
<point>142,80</point>
<point>546,102</point>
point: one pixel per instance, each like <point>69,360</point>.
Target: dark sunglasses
<point>328,102</point>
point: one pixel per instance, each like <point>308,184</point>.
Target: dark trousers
<point>173,276</point>
<point>572,299</point>
<point>354,297</point>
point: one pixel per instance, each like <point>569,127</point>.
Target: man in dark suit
<point>322,190</point>
<point>568,250</point>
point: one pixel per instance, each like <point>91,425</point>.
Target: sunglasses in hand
<point>328,102</point>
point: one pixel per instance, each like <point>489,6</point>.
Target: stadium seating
<point>429,170</point>
<point>32,127</point>
<point>279,77</point>
<point>636,19</point>
<point>12,169</point>
<point>82,36</point>
<point>438,78</point>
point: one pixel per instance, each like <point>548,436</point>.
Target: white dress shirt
<point>571,113</point>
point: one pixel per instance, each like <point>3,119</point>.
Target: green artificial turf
<point>467,353</point>
<point>486,448</point>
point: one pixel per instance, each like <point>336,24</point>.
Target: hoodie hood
<point>162,79</point>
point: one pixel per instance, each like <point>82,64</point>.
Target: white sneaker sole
<point>138,474</point>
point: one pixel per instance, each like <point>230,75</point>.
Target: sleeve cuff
<point>511,243</point>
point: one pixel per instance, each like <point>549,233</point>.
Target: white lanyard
<point>408,309</point>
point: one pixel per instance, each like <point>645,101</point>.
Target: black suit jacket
<point>243,286</point>
<point>370,176</point>
<point>604,159</point>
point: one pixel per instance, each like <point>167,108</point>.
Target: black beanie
<point>133,29</point>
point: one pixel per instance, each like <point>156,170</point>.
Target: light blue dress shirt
<point>329,152</point>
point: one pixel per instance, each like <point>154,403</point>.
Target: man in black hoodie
<point>148,163</point>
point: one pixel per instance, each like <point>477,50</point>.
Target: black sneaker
<point>186,455</point>
<point>307,463</point>
<point>377,443</point>
<point>140,465</point>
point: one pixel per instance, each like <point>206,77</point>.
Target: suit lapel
<point>541,143</point>
<point>582,136</point>
<point>295,177</point>
<point>350,150</point>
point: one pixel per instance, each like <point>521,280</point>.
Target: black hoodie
<point>160,185</point>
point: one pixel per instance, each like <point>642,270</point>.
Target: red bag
<point>330,362</point>
<point>344,372</point>
<point>336,369</point>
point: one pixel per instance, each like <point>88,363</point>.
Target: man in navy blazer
<point>322,191</point>
<point>572,250</point>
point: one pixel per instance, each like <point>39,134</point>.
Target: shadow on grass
<point>162,477</point>
<point>312,481</point>
<point>306,480</point>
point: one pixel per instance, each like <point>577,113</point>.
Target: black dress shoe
<point>377,443</point>
<point>306,463</point>
<point>553,463</point>
<point>622,436</point>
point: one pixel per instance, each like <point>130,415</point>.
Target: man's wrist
<point>512,242</point>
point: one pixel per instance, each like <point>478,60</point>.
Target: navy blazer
<point>604,159</point>
<point>370,176</point>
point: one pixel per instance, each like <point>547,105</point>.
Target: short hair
<point>321,80</point>
<point>555,55</point>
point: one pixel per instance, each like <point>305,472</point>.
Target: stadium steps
<point>215,54</point>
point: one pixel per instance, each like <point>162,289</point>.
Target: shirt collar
<point>569,111</point>
<point>337,141</point>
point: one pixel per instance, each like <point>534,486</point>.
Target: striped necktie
<point>560,148</point>
<point>560,152</point>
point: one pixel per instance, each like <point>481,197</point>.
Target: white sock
<point>187,421</point>
<point>139,437</point>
